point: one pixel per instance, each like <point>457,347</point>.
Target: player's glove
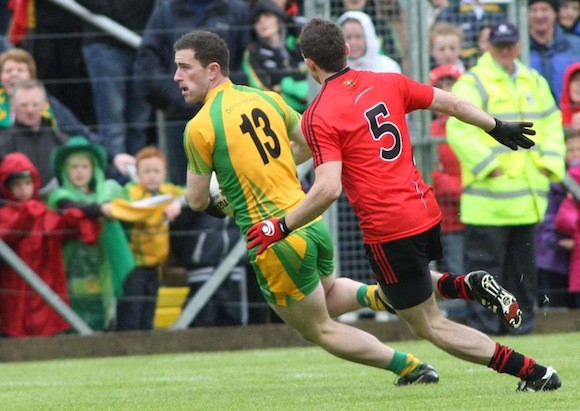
<point>266,232</point>
<point>512,134</point>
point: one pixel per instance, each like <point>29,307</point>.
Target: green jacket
<point>519,196</point>
<point>95,273</point>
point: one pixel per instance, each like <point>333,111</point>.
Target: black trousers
<point>508,253</point>
<point>136,309</point>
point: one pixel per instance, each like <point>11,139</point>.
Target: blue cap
<point>504,32</point>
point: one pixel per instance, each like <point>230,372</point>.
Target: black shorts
<point>401,267</point>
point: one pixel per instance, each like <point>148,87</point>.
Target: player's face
<point>80,170</point>
<point>355,38</point>
<point>22,189</point>
<point>151,173</point>
<point>192,78</point>
<point>446,49</point>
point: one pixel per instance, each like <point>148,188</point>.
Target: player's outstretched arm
<point>510,134</point>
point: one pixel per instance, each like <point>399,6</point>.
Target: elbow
<point>456,107</point>
<point>195,202</point>
<point>330,191</point>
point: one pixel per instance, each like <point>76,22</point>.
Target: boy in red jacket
<point>36,234</point>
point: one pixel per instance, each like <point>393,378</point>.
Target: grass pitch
<point>285,379</point>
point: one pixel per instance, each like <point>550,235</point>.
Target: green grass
<point>284,379</point>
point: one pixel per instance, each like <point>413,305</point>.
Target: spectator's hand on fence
<point>266,232</point>
<point>121,160</point>
<point>512,134</point>
<point>106,209</point>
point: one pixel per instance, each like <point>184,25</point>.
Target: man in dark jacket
<point>120,107</point>
<point>31,134</point>
<point>155,60</point>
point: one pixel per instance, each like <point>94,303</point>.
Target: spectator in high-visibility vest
<point>505,192</point>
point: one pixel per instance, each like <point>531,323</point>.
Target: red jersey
<point>358,118</point>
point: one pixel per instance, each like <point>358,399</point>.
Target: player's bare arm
<point>462,109</point>
<point>325,190</point>
<point>197,191</point>
<point>510,134</point>
<point>299,145</point>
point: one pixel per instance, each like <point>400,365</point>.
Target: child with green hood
<point>95,272</point>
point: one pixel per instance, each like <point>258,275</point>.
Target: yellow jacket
<point>519,195</point>
<point>148,230</point>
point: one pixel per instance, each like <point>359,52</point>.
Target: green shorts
<point>290,269</point>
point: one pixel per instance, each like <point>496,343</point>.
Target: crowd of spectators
<point>95,132</point>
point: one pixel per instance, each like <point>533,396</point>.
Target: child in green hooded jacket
<point>95,272</point>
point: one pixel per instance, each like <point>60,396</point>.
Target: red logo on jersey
<point>349,82</point>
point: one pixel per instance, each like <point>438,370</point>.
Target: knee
<point>316,334</point>
<point>423,331</point>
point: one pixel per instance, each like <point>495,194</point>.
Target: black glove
<point>213,211</point>
<point>512,134</point>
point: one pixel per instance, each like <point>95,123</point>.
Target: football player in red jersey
<point>359,138</point>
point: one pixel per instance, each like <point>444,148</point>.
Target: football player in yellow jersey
<point>253,140</point>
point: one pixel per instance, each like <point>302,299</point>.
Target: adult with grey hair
<point>551,48</point>
<point>32,134</point>
<point>505,193</point>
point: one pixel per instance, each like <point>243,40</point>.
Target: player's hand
<point>512,134</point>
<point>266,233</point>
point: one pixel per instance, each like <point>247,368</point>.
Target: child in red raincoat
<point>35,233</point>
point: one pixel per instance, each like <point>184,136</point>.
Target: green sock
<point>367,297</point>
<point>403,364</point>
<point>361,295</point>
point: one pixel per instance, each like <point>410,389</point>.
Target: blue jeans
<point>120,107</point>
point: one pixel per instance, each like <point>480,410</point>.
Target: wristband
<point>283,226</point>
<point>495,128</point>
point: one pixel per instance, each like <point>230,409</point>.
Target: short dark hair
<point>208,47</point>
<point>323,42</point>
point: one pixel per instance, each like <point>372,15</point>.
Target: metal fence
<point>403,27</point>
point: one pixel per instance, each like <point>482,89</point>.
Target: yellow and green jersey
<point>148,230</point>
<point>242,134</point>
